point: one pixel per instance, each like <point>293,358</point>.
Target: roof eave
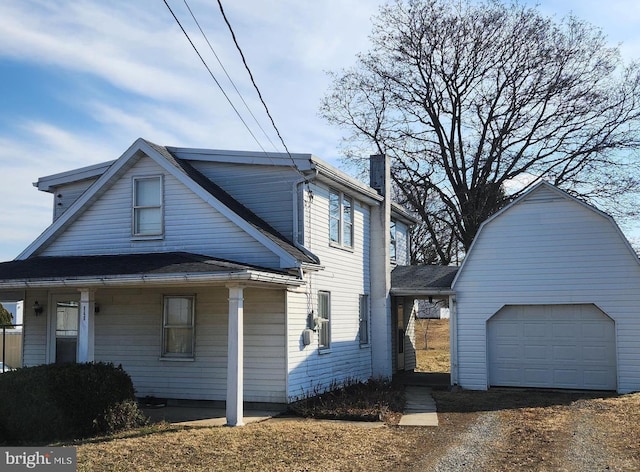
<point>407,292</point>
<point>248,276</point>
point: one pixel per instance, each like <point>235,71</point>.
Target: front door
<point>64,329</point>
<point>400,334</point>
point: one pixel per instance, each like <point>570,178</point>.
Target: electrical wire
<point>214,78</point>
<point>246,66</point>
<point>228,76</point>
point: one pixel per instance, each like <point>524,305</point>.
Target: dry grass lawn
<point>432,343</point>
<point>538,431</point>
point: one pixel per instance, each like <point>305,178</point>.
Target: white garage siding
<point>562,346</point>
<point>547,249</point>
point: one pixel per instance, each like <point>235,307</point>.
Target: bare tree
<point>468,98</point>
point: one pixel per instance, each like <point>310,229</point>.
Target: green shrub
<point>64,401</point>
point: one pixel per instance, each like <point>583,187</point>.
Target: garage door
<point>552,346</point>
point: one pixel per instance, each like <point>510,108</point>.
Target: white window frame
<point>188,355</point>
<point>324,320</point>
<point>345,224</point>
<point>363,329</point>
<point>135,208</point>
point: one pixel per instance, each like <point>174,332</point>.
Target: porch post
<point>235,357</point>
<point>85,326</point>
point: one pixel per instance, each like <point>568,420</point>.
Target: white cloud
<point>132,74</point>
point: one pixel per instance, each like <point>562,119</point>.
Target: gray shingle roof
<point>43,268</point>
<point>238,208</point>
<point>422,278</point>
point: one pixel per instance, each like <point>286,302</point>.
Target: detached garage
<point>548,296</point>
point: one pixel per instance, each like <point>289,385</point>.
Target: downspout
<point>453,341</point>
<point>296,222</point>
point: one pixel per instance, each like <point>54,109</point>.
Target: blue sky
<point>81,80</point>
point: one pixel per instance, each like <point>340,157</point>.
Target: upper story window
<point>340,218</point>
<point>393,245</point>
<point>147,206</point>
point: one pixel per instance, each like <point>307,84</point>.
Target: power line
<point>244,61</point>
<point>214,78</point>
<point>228,76</point>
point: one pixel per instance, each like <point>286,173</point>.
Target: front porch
<point>183,326</point>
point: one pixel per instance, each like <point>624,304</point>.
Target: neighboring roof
<point>168,267</point>
<point>421,280</point>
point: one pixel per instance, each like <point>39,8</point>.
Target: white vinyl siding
<point>190,224</point>
<point>128,331</point>
<point>178,327</point>
<point>65,195</point>
<point>548,249</point>
<point>345,275</point>
<point>34,350</point>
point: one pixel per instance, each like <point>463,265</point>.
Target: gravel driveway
<point>542,431</point>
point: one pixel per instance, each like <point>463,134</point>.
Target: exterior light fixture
<point>37,308</point>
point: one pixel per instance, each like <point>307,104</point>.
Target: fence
<point>11,345</point>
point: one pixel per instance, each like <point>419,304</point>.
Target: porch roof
<point>422,280</point>
<point>133,269</point>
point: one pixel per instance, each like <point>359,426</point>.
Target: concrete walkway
<point>420,409</point>
<point>202,416</point>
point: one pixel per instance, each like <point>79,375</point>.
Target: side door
<point>63,328</point>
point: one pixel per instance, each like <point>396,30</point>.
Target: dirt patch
<point>432,345</point>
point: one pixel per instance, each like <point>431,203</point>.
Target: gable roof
<point>166,268</point>
<point>561,193</point>
<point>290,255</point>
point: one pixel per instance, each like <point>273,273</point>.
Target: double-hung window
<point>178,327</point>
<point>393,245</point>
<point>340,218</point>
<point>364,320</point>
<point>324,320</point>
<point>147,206</point>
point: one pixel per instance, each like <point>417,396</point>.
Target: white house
<point>218,275</point>
<point>548,296</point>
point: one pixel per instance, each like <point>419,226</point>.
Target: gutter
<point>164,279</point>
